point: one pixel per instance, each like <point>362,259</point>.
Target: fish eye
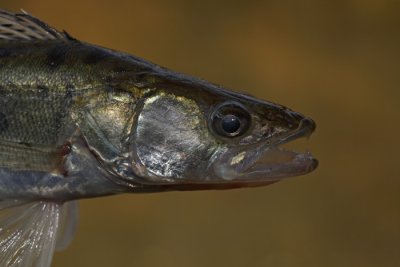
<point>230,123</point>
<point>230,120</point>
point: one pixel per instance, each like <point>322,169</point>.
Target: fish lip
<point>260,164</point>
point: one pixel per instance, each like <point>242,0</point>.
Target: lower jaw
<point>272,165</point>
<point>206,186</point>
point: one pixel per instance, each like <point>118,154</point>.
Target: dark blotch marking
<point>145,77</point>
<point>121,69</point>
<point>70,87</point>
<point>43,91</point>
<point>26,144</point>
<point>94,57</point>
<point>3,122</point>
<point>69,94</point>
<point>109,79</point>
<point>70,91</point>
<point>58,119</point>
<point>4,52</point>
<point>2,91</point>
<point>56,56</point>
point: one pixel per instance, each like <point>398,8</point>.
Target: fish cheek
<point>171,138</point>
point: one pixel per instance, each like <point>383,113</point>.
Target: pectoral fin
<point>29,232</point>
<point>68,225</point>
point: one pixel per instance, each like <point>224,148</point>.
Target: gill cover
<point>170,139</point>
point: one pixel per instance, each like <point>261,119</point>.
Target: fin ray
<point>22,26</point>
<point>68,227</point>
<point>29,231</point>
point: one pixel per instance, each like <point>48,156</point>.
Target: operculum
<point>171,141</point>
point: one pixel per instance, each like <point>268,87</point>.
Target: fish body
<point>46,88</point>
<point>79,121</point>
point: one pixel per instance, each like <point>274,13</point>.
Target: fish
<point>80,121</point>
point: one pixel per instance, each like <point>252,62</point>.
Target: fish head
<point>189,135</point>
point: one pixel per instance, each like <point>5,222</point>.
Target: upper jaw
<point>305,129</point>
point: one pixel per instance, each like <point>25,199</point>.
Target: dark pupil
<point>230,124</point>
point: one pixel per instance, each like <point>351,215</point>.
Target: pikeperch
<point>80,121</point>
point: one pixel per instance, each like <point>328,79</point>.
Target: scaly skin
<point>79,121</point>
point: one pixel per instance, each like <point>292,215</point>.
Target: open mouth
<point>264,163</point>
<point>251,165</point>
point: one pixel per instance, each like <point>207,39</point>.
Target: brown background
<point>336,61</point>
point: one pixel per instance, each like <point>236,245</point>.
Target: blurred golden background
<point>336,61</point>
